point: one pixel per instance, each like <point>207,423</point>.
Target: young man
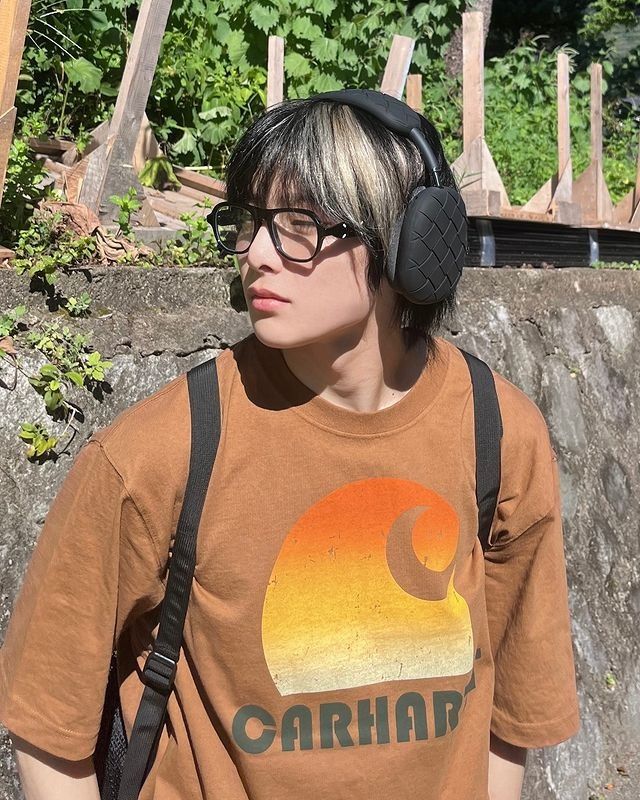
<point>346,636</point>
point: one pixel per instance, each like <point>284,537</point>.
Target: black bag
<point>121,767</point>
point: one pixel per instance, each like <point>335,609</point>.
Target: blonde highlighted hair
<point>347,166</point>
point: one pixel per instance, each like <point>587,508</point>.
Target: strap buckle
<point>159,672</point>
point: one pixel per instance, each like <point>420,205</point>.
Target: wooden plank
<point>398,64</point>
<point>627,211</point>
<point>14,18</point>
<point>590,188</point>
<point>563,189</point>
<point>275,71</point>
<point>50,146</point>
<point>482,204</point>
<point>564,129</point>
<point>596,112</point>
<point>604,206</point>
<point>210,186</point>
<point>414,92</point>
<point>541,200</point>
<point>111,169</point>
<point>555,198</point>
<point>7,123</point>
<point>472,77</point>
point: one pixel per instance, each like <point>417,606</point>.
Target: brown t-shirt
<point>344,628</point>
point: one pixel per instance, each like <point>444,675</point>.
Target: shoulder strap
<point>160,666</point>
<point>488,430</point>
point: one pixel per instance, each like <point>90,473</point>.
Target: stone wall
<point>568,338</point>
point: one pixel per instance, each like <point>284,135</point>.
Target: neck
<point>364,369</point>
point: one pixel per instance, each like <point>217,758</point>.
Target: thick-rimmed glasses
<point>296,233</point>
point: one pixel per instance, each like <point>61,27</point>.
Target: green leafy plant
<point>158,173</point>
<point>616,265</point>
<point>71,364</point>
<point>128,204</point>
<point>25,182</point>
<point>195,245</point>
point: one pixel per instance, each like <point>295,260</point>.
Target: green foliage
<point>24,183</point>
<point>71,364</point>
<point>521,114</point>
<point>616,265</point>
<point>193,246</point>
<point>603,15</point>
<point>211,75</point>
<point>44,247</point>
<point>128,204</point>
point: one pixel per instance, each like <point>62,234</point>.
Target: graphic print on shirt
<point>363,592</point>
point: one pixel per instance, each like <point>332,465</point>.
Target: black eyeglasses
<point>296,233</point>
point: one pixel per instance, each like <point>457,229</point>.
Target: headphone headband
<point>393,114</point>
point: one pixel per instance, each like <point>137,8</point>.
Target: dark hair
<point>345,164</point>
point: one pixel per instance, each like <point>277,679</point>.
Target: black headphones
<point>429,239</point>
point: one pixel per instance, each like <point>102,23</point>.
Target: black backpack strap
<point>488,430</point>
<point>160,666</point>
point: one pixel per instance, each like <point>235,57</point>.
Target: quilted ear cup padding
<point>432,245</point>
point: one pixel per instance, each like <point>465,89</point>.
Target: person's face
<point>324,297</point>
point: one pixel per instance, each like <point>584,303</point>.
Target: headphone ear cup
<point>430,245</point>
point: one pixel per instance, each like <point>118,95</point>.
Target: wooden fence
<point>120,146</point>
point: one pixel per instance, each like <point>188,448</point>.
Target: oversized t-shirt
<point>346,636</point>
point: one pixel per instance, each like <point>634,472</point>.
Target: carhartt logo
<point>363,592</point>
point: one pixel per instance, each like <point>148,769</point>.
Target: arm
<point>46,777</point>
<point>506,769</point>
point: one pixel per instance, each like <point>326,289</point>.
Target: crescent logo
<point>362,592</point>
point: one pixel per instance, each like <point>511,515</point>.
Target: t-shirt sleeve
<point>535,701</point>
<point>95,566</point>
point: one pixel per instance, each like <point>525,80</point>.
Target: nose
<point>262,252</point>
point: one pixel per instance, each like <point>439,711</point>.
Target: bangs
<point>314,155</point>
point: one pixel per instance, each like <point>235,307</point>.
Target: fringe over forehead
<point>328,157</point>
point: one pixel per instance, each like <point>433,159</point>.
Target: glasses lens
<point>297,233</point>
<point>235,228</point>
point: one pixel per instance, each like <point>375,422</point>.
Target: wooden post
<point>554,200</point>
<point>590,189</point>
<point>275,71</point>
<point>14,18</point>
<point>397,68</point>
<point>110,167</point>
<point>414,92</point>
<point>480,183</point>
<point>472,78</point>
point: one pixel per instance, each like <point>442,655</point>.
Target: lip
<point>257,294</point>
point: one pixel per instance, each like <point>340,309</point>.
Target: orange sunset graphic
<point>362,591</point>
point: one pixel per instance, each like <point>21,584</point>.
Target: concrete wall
<point>568,338</point>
